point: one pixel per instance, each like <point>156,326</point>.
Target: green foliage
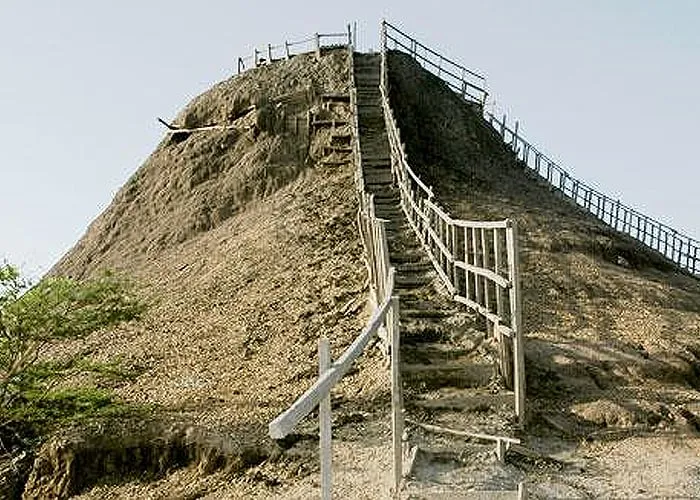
<point>33,317</point>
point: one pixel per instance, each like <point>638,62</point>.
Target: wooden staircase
<point>449,374</point>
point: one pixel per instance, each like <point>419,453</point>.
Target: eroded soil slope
<point>612,329</point>
<point>244,241</point>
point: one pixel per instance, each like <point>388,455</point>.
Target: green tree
<point>57,308</point>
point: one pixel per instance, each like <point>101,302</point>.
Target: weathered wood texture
<point>324,417</point>
<point>385,318</point>
<point>476,260</point>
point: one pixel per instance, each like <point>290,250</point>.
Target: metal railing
<point>467,83</point>
<point>286,50</point>
<point>675,246</point>
<point>476,260</point>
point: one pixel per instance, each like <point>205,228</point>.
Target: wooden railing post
<point>318,45</point>
<point>324,417</point>
<point>397,423</point>
<point>269,53</point>
<point>516,320</point>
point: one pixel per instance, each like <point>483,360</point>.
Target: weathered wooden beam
<point>287,420</point>
<point>466,434</point>
<point>324,424</point>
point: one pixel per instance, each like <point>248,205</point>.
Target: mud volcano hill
<point>245,244</point>
<point>612,328</point>
<point>244,240</point>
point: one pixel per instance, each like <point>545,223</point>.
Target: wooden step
<point>453,374</point>
<point>414,280</point>
<point>466,400</point>
<point>437,351</point>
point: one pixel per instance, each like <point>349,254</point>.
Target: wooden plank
<point>324,417</point>
<point>497,272</point>
<point>467,277</point>
<point>397,423</point>
<point>435,238</point>
<point>493,318</point>
<point>453,250</point>
<point>486,273</point>
<point>460,433</point>
<point>516,321</point>
<point>478,292</point>
<point>485,266</point>
<point>287,420</point>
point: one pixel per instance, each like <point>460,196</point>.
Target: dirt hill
<point>612,328</point>
<point>244,241</point>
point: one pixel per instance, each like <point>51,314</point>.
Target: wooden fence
<point>682,249</point>
<point>314,43</point>
<point>477,260</point>
<point>677,247</point>
<point>383,323</point>
<point>467,83</point>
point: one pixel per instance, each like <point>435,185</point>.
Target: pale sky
<point>607,88</point>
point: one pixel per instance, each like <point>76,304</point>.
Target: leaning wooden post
<point>516,319</point>
<point>255,58</point>
<point>269,53</point>
<point>515,137</point>
<point>503,127</point>
<point>397,423</point>
<point>240,64</point>
<point>324,417</point>
<point>318,46</point>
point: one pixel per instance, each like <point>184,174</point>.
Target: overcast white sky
<point>608,88</point>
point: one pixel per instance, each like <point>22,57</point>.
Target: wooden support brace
<point>324,416</point>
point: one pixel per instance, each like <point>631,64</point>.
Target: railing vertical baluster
<point>516,320</point>
<point>497,270</point>
<point>324,416</point>
<point>453,251</point>
<point>397,423</point>
<point>485,265</point>
<point>467,260</point>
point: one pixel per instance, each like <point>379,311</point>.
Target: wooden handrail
<point>475,262</point>
<point>287,420</point>
<point>680,248</point>
<point>315,40</point>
